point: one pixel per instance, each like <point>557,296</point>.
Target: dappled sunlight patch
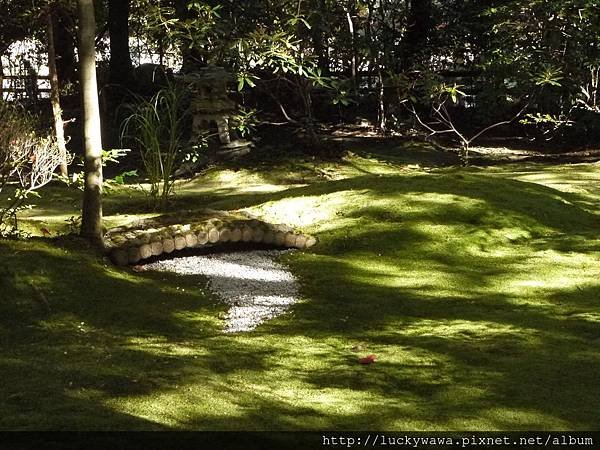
<point>524,419</point>
<point>118,220</point>
<point>290,394</point>
<point>591,317</point>
<point>566,178</point>
<point>241,180</point>
<point>423,201</point>
<point>551,271</point>
<point>177,406</point>
<point>580,179</point>
<point>381,271</point>
<point>222,177</point>
<point>265,188</point>
<point>477,294</point>
<point>358,165</point>
<point>465,330</point>
<point>34,224</point>
<point>67,323</point>
<point>307,211</point>
<point>163,346</point>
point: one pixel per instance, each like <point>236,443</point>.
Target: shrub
<point>27,162</point>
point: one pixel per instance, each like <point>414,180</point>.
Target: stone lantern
<point>211,108</point>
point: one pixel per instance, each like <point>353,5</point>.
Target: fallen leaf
<point>367,359</point>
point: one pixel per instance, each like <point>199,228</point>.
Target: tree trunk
<point>91,223</point>
<point>64,45</point>
<point>382,119</point>
<point>319,37</point>
<point>417,32</point>
<point>55,97</point>
<point>354,50</point>
<point>1,79</point>
<point>375,61</point>
<point>118,29</point>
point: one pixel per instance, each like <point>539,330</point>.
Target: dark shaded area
<point>533,360</point>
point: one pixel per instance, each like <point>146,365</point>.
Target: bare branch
<point>505,122</point>
<point>432,131</point>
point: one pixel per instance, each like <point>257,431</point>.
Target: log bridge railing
<point>146,238</point>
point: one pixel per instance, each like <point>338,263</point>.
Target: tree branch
<point>505,122</point>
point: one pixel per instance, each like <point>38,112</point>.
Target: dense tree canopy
<point>310,61</point>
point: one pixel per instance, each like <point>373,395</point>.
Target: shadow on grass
<point>454,282</point>
<point>533,364</point>
<point>531,201</point>
<point>59,366</point>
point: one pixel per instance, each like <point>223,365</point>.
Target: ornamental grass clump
<point>156,126</point>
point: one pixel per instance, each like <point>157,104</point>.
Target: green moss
<point>477,290</point>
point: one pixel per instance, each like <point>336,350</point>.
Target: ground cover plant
<point>442,156</point>
<point>476,288</point>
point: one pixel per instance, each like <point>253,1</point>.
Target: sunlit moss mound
<point>477,290</point>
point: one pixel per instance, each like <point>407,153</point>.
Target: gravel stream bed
<point>254,285</point>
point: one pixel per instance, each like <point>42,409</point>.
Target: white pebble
<point>253,283</point>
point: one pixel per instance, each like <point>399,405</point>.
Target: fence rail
<point>20,77</point>
<point>13,87</point>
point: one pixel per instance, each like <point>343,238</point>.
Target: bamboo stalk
<point>180,242</point>
<point>224,234</point>
<point>290,240</point>
<point>258,235</point>
<point>143,237</point>
<point>247,234</point>
<point>301,241</point>
<point>145,251</point>
<point>133,254</point>
<point>236,235</point>
<point>130,245</point>
<point>157,248</point>
<point>191,240</point>
<point>213,235</point>
<point>280,238</point>
<point>168,245</point>
<point>120,257</point>
<point>269,237</point>
<point>202,237</point>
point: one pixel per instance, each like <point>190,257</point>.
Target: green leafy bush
<point>77,178</point>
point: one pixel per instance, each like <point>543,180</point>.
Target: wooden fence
<point>32,87</point>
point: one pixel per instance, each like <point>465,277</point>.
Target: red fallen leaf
<point>367,359</point>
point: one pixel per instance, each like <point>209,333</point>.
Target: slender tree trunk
<point>118,29</point>
<point>91,223</point>
<point>382,119</point>
<point>319,37</point>
<point>353,60</point>
<point>376,64</point>
<point>1,79</point>
<point>55,96</point>
<point>64,45</point>
<point>417,33</point>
